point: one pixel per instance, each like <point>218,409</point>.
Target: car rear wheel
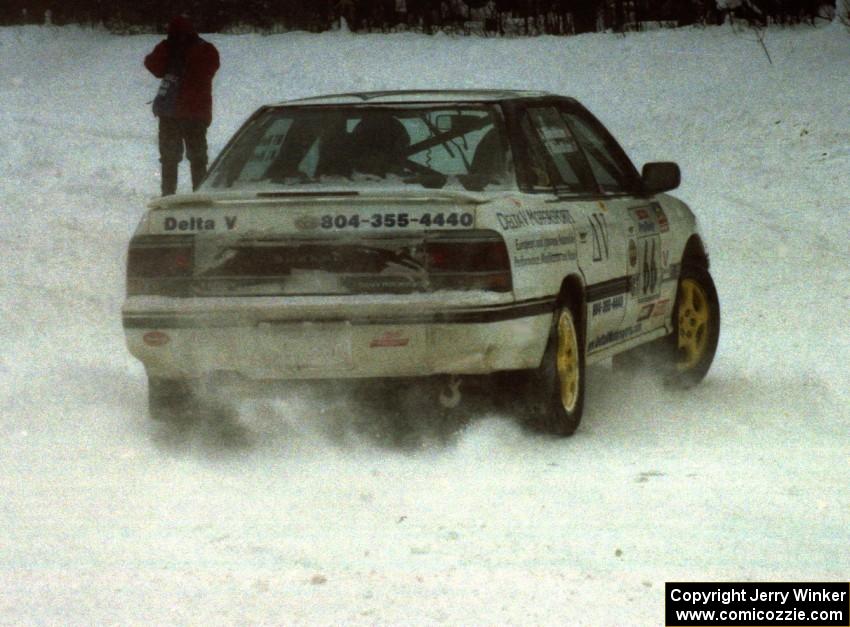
<point>558,384</point>
<point>171,400</point>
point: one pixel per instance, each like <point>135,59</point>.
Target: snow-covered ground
<point>320,508</point>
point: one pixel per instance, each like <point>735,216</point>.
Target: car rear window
<point>431,146</point>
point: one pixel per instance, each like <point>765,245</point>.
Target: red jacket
<point>194,100</point>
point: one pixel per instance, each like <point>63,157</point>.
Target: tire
<point>557,386</point>
<point>696,328</point>
<point>171,400</point>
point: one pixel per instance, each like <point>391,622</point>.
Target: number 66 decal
<point>649,271</point>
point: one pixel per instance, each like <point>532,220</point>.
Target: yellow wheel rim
<point>694,323</point>
<point>568,361</point>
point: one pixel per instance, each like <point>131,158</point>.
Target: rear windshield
<point>461,146</point>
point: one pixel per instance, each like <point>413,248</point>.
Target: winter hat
<point>180,25</point>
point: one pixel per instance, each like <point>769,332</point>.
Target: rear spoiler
<point>206,199</point>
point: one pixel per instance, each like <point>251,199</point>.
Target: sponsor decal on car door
<point>602,254</point>
<point>649,304</point>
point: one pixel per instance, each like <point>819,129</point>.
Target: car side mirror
<point>661,176</point>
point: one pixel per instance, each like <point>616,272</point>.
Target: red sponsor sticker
<point>660,308</point>
<point>156,338</point>
<point>389,339</point>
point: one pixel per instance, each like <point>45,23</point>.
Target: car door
<point>600,226</point>
<point>635,283</point>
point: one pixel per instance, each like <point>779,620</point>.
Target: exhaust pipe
<point>450,395</point>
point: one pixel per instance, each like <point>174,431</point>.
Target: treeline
<point>488,17</point>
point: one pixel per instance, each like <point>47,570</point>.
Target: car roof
<point>421,95</point>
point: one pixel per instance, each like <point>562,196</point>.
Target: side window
<point>611,167</point>
<point>537,168</point>
<point>557,142</point>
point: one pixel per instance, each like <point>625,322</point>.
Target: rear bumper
<point>308,338</point>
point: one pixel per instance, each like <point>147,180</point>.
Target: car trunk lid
<point>316,243</point>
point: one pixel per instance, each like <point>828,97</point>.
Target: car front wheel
<point>696,326</point>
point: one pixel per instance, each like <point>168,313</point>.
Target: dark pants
<point>173,135</point>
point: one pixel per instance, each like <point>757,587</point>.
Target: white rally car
<point>418,233</point>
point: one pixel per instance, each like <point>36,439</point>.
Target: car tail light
<point>468,260</point>
<point>160,265</point>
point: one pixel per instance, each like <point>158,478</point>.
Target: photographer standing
<point>186,64</point>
